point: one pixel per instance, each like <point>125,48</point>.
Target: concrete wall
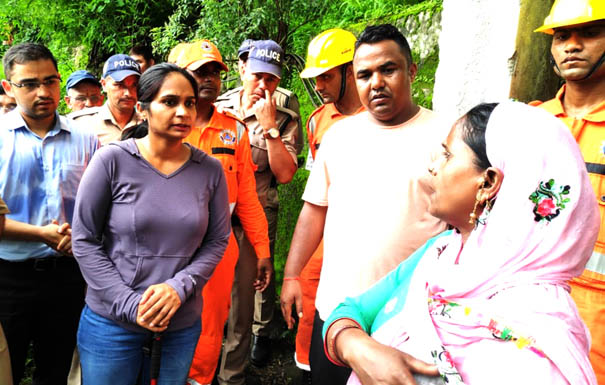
<point>476,57</point>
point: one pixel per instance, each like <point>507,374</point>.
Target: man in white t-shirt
<point>365,194</point>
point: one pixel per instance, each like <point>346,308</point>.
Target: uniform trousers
<point>241,314</point>
<point>40,303</point>
<point>217,301</point>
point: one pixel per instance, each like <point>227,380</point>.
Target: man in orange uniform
<point>578,56</point>
<point>223,136</point>
<point>330,62</point>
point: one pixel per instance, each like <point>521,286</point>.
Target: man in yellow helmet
<point>578,55</point>
<point>330,62</point>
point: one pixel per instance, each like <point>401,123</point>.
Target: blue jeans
<point>110,354</point>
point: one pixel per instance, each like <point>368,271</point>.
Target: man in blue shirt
<point>42,158</point>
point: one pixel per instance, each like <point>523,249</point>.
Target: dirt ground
<point>281,369</point>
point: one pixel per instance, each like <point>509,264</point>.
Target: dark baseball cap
<point>266,56</point>
<point>120,66</point>
<point>79,76</point>
<point>244,48</point>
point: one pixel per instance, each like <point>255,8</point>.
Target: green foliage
<point>83,33</point>
<point>422,88</point>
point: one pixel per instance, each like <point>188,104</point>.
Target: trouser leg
<point>217,301</point>
<point>237,344</point>
<point>75,371</point>
<point>6,377</point>
<point>41,306</point>
<point>264,302</point>
<point>323,371</point>
<point>60,302</point>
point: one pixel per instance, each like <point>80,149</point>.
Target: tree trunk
<point>533,76</point>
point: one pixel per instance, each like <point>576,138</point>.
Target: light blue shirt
<point>39,177</point>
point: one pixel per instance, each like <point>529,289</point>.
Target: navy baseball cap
<point>120,67</point>
<point>79,76</point>
<point>266,56</point>
<point>244,48</point>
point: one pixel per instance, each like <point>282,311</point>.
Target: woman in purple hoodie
<point>150,224</point>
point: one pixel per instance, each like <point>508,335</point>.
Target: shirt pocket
<point>260,156</point>
<point>152,270</point>
<point>226,155</point>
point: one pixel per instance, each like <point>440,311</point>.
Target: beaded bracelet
<point>291,278</point>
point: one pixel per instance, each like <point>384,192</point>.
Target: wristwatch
<point>272,133</point>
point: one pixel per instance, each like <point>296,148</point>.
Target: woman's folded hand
<point>158,304</point>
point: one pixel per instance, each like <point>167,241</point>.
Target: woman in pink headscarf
<point>487,302</point>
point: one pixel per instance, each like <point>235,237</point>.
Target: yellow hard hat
<point>572,12</point>
<point>327,50</point>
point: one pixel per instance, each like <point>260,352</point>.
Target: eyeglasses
<point>35,84</point>
<point>83,99</point>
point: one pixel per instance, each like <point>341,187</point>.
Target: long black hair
<point>149,85</point>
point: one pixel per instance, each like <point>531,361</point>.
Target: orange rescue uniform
<point>588,290</point>
<point>318,124</point>
<point>226,139</point>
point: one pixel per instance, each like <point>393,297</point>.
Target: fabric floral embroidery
<point>549,199</point>
<point>445,365</point>
<point>442,307</point>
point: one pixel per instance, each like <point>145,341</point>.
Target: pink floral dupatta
<point>503,314</point>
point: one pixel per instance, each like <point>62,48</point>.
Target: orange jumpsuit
<point>588,290</point>
<point>318,124</point>
<point>226,139</point>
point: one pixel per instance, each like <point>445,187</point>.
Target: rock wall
<point>477,53</point>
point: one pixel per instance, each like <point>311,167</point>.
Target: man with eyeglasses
<point>7,103</point>
<point>42,158</point>
<point>120,79</point>
<point>83,91</point>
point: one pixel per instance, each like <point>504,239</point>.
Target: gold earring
<point>473,216</point>
<point>432,171</point>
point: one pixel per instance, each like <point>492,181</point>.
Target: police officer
<point>83,90</point>
<point>120,78</point>
<point>224,137</point>
<point>578,56</point>
<point>283,97</point>
<point>276,139</point>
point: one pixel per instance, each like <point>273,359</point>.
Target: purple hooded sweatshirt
<point>134,227</point>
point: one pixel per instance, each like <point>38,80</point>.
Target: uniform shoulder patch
<point>227,95</point>
<point>284,91</point>
<point>231,115</point>
<point>288,111</point>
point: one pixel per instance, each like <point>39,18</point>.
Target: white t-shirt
<point>371,179</point>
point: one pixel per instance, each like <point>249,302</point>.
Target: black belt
<point>41,264</point>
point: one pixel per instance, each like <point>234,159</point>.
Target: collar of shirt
<point>106,115</point>
<point>597,115</point>
<point>14,121</point>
